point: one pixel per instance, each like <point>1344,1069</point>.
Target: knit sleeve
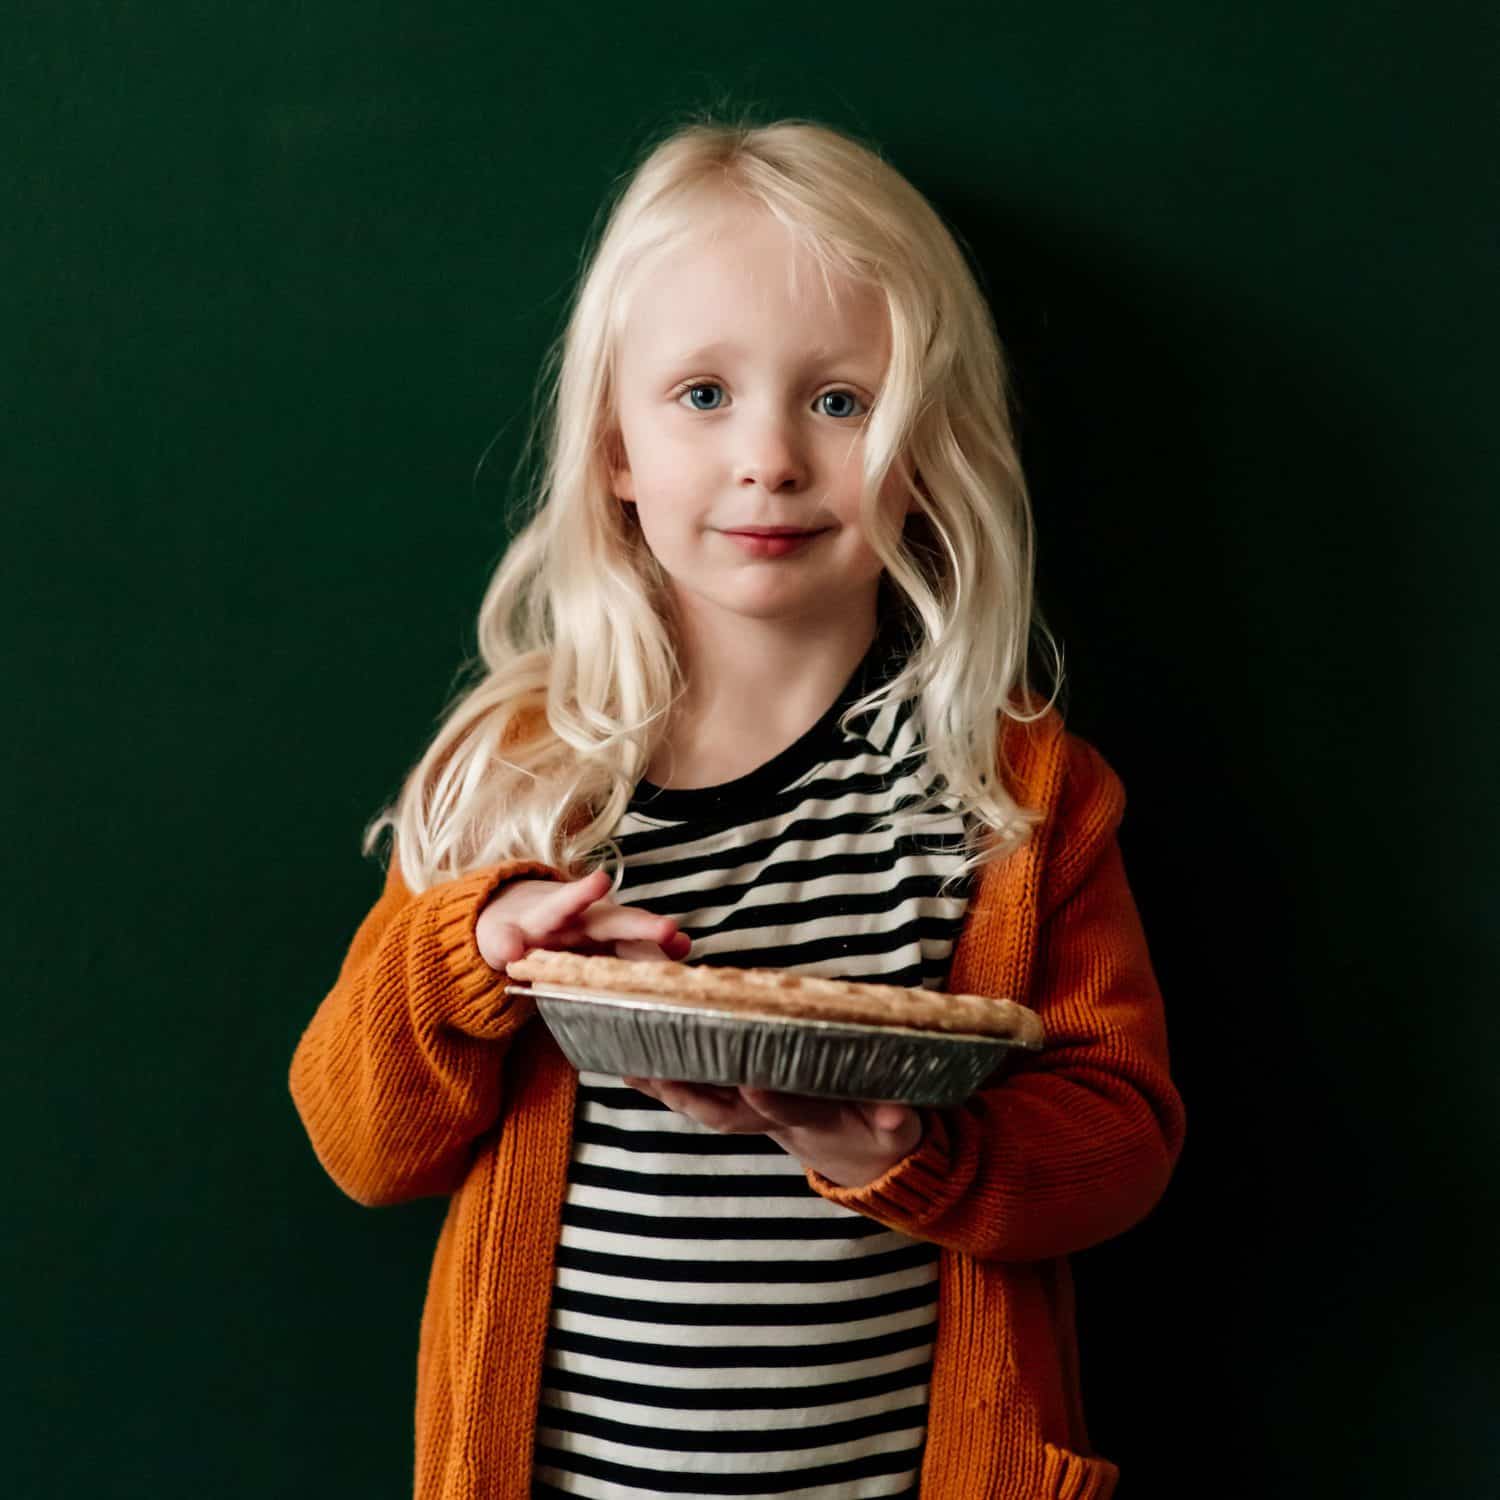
<point>1076,1144</point>
<point>398,1072</point>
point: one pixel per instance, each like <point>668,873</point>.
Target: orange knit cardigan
<point>418,1075</point>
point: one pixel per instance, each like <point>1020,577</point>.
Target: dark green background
<point>275,277</point>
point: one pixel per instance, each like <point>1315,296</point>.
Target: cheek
<point>663,464</point>
<point>667,519</point>
<point>895,492</point>
<point>891,501</point>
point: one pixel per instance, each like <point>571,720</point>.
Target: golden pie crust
<point>774,992</point>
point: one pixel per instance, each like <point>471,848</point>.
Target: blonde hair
<point>539,757</point>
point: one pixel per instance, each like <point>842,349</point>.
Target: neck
<point>751,689</point>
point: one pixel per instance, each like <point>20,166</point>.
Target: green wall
<point>278,278</point>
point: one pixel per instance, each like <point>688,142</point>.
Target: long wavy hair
<point>577,669</point>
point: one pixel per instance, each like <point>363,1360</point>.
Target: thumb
<point>501,944</point>
<point>888,1117</point>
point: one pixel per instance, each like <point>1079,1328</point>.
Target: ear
<point>621,480</point>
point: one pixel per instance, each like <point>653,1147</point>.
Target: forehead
<point>743,281</point>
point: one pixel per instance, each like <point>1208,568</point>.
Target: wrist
<point>855,1170</point>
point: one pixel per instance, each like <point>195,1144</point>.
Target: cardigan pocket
<point>1070,1476</point>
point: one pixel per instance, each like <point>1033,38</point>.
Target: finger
<point>718,1108</point>
<point>577,939</point>
<point>608,923</point>
<point>639,950</point>
<point>793,1111</point>
<point>558,910</point>
<point>573,937</point>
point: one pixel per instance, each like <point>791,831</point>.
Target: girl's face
<point>742,394</point>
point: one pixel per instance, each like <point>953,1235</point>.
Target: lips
<point>772,530</point>
<point>771,541</point>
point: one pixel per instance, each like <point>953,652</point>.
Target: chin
<point>787,611</point>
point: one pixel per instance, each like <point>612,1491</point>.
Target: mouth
<point>771,541</point>
<point>772,530</point>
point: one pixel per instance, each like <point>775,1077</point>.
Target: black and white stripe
<point>718,1328</point>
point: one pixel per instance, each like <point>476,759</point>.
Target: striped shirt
<point>717,1327</point>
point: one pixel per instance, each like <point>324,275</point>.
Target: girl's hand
<point>572,915</point>
<point>850,1143</point>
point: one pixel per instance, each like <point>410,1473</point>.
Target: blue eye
<point>844,404</point>
<point>714,393</point>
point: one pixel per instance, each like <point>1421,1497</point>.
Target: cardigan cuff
<point>475,997</point>
<point>908,1194</point>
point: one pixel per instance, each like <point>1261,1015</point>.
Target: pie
<point>775,992</point>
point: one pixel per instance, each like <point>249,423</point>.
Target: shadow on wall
<point>1222,552</point>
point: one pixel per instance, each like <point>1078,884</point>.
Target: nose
<point>771,456</point>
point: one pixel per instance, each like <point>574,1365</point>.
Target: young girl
<point>755,694</point>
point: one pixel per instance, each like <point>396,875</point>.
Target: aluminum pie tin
<point>641,1036</point>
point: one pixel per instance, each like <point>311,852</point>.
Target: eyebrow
<point>723,349</point>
